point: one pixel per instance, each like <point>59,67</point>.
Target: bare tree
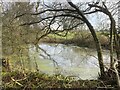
<point>14,38</point>
<point>113,30</point>
<point>56,13</point>
<point>114,37</point>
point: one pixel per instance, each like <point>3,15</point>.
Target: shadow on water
<point>72,60</point>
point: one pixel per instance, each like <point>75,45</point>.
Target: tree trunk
<point>117,74</point>
<point>98,48</point>
<point>112,28</point>
<point>97,43</point>
<point>117,49</point>
<point>116,42</point>
<point>118,39</point>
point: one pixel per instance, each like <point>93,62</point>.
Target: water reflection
<point>72,60</point>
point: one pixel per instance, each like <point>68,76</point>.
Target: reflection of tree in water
<point>73,57</point>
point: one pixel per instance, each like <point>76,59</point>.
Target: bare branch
<point>101,9</point>
<point>62,15</point>
<point>56,10</point>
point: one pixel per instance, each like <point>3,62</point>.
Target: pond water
<point>68,60</point>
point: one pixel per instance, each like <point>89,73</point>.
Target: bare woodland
<point>27,23</point>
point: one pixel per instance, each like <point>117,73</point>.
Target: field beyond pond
<point>79,38</point>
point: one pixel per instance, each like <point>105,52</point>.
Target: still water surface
<point>71,60</point>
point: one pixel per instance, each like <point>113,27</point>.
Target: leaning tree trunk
<point>98,48</point>
<point>97,43</point>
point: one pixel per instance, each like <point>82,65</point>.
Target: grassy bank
<point>81,38</point>
<point>34,80</point>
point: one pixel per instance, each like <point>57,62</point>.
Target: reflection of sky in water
<point>73,60</point>
<point>66,56</point>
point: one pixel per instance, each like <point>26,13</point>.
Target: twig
<point>16,82</point>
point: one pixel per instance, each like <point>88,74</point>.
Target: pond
<point>68,60</point>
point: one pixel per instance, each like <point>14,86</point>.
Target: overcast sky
<point>57,0</point>
<point>94,19</point>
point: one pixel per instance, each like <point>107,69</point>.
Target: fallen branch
<point>15,81</point>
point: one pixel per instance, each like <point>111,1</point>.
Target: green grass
<point>69,35</point>
<point>79,38</point>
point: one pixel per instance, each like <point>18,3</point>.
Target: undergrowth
<point>25,80</point>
